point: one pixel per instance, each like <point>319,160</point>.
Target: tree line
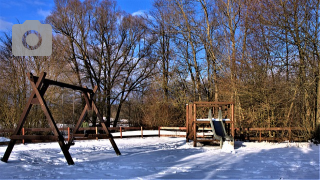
<point>262,55</point>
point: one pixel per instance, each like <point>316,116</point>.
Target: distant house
<point>121,122</point>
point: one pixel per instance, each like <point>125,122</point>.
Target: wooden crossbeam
<point>65,85</point>
<point>34,137</point>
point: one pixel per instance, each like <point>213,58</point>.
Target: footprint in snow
<point>169,158</point>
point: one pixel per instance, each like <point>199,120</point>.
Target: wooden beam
<point>273,129</point>
<point>34,137</point>
<point>202,122</point>
<point>124,128</point>
<point>105,136</point>
<point>79,123</point>
<point>113,143</point>
<point>35,101</point>
<point>23,117</point>
<point>65,85</point>
<point>51,122</point>
<point>88,101</point>
<point>174,128</point>
<point>213,103</point>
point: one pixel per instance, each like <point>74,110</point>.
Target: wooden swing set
<point>40,86</point>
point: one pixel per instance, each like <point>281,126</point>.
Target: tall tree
<point>113,48</point>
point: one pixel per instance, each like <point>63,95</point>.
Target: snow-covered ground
<point>164,158</point>
<point>3,139</point>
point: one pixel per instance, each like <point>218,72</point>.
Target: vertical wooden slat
<point>194,126</point>
<point>190,121</point>
<point>141,132</point>
<point>68,134</point>
<point>23,135</point>
<point>232,119</point>
<point>289,134</point>
<point>121,132</point>
<point>96,132</point>
<point>260,136</point>
<point>203,130</point>
<point>187,123</point>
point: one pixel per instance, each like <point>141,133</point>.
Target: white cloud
<point>5,25</point>
<point>43,13</point>
<point>36,3</point>
<point>138,13</point>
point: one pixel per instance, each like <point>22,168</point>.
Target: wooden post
<point>194,126</point>
<point>141,132</point>
<point>121,132</point>
<point>68,134</point>
<point>187,123</point>
<point>159,131</point>
<point>203,131</point>
<point>96,132</point>
<point>232,120</point>
<point>289,134</point>
<point>260,136</point>
<point>23,135</point>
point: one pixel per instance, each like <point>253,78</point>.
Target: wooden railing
<point>176,129</point>
<point>245,132</point>
<point>67,132</point>
<point>263,131</point>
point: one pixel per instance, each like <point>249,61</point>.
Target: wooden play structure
<point>202,126</point>
<point>39,86</point>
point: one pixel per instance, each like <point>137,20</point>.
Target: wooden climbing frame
<point>192,114</point>
<point>39,86</point>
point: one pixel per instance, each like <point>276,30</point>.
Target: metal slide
<point>219,131</point>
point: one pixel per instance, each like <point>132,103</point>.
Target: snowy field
<point>162,158</point>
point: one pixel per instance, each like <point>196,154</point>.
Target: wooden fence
<point>263,134</point>
<point>67,132</point>
<point>176,129</point>
<point>260,134</point>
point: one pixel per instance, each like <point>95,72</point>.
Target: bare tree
<point>113,48</point>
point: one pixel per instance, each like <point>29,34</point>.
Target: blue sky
<point>17,11</point>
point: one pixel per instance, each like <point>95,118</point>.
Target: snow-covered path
<point>164,158</point>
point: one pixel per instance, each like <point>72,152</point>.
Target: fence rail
<point>176,129</point>
<point>179,132</point>
<point>263,131</point>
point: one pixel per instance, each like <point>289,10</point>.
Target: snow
<point>3,139</point>
<point>228,146</point>
<point>162,158</point>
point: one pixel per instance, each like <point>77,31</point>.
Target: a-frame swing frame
<point>40,86</point>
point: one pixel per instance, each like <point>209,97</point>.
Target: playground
<point>164,158</point>
<point>207,149</point>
